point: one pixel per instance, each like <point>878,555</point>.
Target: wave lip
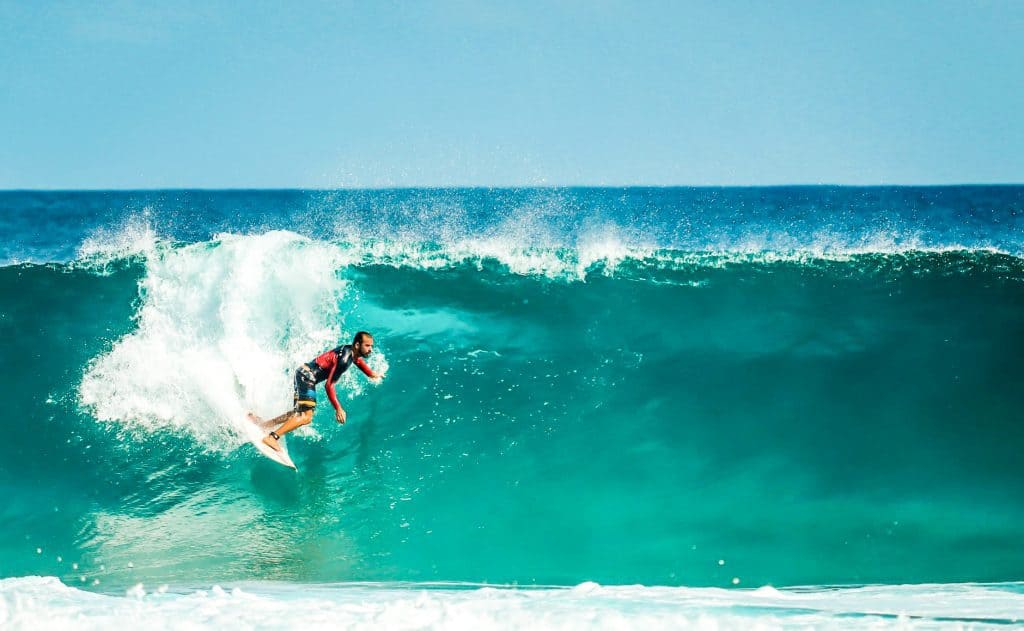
<point>35,602</point>
<point>613,258</point>
<point>609,255</point>
<point>606,258</point>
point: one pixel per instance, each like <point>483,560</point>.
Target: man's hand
<point>377,377</point>
<point>339,415</point>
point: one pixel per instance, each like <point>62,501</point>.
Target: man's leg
<point>274,422</point>
<point>296,420</point>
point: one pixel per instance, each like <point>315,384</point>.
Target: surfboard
<point>255,434</point>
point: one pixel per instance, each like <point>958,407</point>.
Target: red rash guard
<point>332,364</point>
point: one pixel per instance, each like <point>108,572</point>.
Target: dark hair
<point>359,337</point>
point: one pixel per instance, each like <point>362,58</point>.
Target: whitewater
<point>603,408</point>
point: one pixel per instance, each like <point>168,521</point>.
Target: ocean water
<point>722,408</point>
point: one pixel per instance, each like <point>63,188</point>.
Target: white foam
<point>606,255</point>
<point>221,327</point>
<point>37,602</point>
<point>531,244</point>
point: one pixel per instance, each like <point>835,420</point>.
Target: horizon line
<point>497,187</point>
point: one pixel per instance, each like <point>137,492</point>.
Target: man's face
<point>365,346</point>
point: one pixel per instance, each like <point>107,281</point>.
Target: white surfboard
<point>255,433</point>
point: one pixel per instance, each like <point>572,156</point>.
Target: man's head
<point>362,344</point>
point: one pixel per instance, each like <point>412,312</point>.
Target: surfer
<point>327,367</point>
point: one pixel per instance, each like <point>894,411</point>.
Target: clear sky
<point>378,93</point>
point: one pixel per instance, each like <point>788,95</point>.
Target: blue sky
<point>377,94</point>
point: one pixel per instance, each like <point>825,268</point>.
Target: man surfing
<point>328,367</point>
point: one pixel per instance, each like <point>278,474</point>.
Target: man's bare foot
<point>271,442</point>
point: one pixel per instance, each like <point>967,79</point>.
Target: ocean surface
<point>788,407</point>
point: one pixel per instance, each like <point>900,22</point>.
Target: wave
<point>219,325</point>
<point>705,406</point>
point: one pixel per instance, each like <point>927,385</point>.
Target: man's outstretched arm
<point>366,369</point>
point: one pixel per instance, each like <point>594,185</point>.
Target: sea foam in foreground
<point>35,603</point>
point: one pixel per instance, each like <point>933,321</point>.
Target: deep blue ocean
<point>651,407</point>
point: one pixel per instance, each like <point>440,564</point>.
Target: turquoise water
<point>686,388</point>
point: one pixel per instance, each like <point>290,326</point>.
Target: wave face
<point>655,386</point>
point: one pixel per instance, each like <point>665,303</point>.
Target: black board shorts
<point>305,389</point>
